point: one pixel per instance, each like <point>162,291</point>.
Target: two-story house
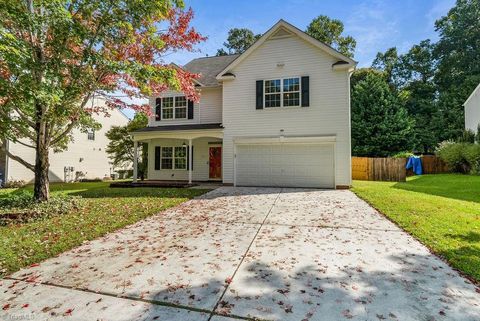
<point>276,115</point>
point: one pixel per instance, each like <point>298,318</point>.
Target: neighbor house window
<point>174,107</point>
<point>91,135</point>
<point>282,92</point>
<point>174,157</point>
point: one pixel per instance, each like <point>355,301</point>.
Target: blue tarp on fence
<point>415,163</point>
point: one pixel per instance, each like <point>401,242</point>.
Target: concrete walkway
<point>246,253</point>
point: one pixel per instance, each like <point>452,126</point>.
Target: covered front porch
<point>181,153</point>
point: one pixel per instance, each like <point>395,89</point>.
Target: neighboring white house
<point>276,115</point>
<point>84,158</point>
<point>472,110</point>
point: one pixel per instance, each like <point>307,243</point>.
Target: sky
<point>376,25</point>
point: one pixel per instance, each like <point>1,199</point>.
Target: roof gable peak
<point>283,29</point>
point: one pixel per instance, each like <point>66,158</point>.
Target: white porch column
<point>190,161</point>
<point>135,161</point>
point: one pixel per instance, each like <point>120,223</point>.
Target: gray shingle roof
<point>209,67</point>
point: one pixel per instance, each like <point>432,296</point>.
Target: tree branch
<point>25,144</point>
<point>17,158</point>
<point>24,117</point>
<point>18,128</point>
<point>70,126</point>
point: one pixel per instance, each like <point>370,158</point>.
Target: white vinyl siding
<point>472,111</point>
<point>327,115</point>
<point>211,105</point>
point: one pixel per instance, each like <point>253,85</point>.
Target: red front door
<point>215,161</point>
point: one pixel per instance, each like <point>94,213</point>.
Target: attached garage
<point>285,164</point>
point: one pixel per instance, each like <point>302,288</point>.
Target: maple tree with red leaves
<point>56,55</point>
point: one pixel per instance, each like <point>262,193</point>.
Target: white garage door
<point>287,165</point>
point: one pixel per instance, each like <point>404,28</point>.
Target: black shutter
<point>190,109</point>
<point>188,159</point>
<point>259,96</point>
<point>305,91</point>
<point>158,109</point>
<point>157,157</point>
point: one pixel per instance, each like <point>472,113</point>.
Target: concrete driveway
<point>246,253</point>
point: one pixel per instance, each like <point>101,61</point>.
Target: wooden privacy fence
<point>392,169</point>
<point>433,165</point>
<point>379,169</point>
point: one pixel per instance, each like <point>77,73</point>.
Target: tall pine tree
<point>381,125</point>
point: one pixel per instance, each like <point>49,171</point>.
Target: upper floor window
<point>282,92</point>
<point>91,134</point>
<point>174,107</point>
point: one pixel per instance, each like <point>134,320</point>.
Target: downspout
<point>350,73</point>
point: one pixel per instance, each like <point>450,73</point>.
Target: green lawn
<point>442,211</point>
<point>104,210</point>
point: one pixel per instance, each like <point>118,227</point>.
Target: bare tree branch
<point>25,144</point>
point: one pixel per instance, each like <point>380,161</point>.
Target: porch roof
<point>187,131</point>
<point>178,127</point>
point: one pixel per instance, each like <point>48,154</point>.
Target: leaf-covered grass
<point>20,207</point>
<point>103,210</point>
<point>442,211</point>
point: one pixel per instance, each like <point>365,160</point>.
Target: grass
<point>442,211</point>
<point>103,210</point>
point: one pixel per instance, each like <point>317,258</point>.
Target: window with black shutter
<point>282,92</point>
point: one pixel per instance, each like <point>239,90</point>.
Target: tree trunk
<point>41,191</point>
<point>41,188</point>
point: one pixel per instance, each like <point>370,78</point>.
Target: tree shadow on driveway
<point>418,291</point>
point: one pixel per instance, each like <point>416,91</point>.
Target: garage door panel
<point>289,165</point>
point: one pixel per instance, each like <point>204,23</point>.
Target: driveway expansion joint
<point>155,302</point>
<point>244,255</point>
